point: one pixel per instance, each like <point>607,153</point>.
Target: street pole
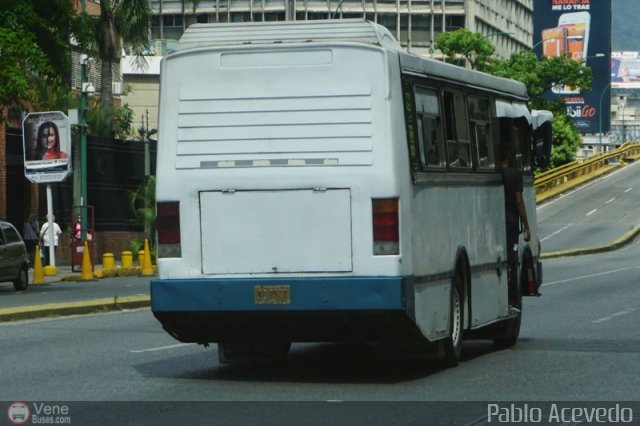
<point>601,113</point>
<point>83,136</point>
<point>144,136</point>
<point>624,127</point>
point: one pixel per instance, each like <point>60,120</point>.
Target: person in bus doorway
<point>46,240</point>
<point>515,214</point>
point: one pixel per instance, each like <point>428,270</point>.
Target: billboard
<point>582,30</point>
<point>47,146</point>
<point>625,70</point>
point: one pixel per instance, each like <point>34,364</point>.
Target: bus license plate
<point>272,294</point>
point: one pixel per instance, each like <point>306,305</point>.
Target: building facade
<point>415,23</point>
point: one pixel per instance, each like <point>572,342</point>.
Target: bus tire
<point>511,332</point>
<point>453,343</point>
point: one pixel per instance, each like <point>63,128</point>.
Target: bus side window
<point>457,131</point>
<point>428,112</point>
<point>480,118</point>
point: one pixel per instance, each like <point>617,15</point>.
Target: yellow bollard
<point>140,258</point>
<point>127,259</point>
<point>108,262</point>
<point>50,270</point>
<point>147,269</point>
<point>38,273</point>
<point>87,271</point>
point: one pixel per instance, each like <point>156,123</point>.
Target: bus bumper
<point>285,309</point>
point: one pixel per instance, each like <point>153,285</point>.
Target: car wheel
<point>22,281</point>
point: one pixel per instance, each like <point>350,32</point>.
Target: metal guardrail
<point>553,178</point>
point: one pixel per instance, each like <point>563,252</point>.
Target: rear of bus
<point>281,178</point>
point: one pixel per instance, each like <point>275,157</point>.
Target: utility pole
<point>83,132</point>
<point>145,135</point>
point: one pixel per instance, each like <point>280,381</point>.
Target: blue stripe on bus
<point>332,293</point>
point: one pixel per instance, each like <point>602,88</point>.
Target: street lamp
<point>623,101</point>
<point>335,12</point>
<point>601,112</point>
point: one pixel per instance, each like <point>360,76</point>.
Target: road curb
<point>72,308</point>
<point>625,239</point>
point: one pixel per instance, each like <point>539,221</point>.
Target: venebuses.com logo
<point>18,413</point>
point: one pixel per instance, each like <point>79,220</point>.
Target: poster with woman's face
<point>47,146</point>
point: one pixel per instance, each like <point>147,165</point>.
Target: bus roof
<point>243,33</point>
<point>432,68</point>
<point>339,30</point>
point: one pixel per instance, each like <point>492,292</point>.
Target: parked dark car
<point>14,262</point>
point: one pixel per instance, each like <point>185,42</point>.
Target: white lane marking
<point>587,276</point>
<point>592,212</point>
<point>616,314</point>
<point>556,233</point>
<point>627,190</point>
<point>611,200</point>
<point>588,184</point>
<point>161,348</point>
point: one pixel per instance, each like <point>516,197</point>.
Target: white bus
<point>316,182</point>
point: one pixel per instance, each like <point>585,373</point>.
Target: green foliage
<point>120,23</point>
<point>142,203</point>
<point>565,140</point>
<point>110,122</point>
<point>34,41</point>
<point>540,75</point>
<point>474,47</point>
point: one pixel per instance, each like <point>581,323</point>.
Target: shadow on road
<point>312,363</point>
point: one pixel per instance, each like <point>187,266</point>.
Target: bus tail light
<point>168,227</point>
<point>386,234</point>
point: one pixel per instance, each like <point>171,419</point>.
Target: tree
<point>120,21</point>
<point>474,47</point>
<point>565,140</point>
<point>34,53</point>
<point>539,75</point>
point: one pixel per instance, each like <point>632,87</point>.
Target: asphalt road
<point>579,342</point>
<point>597,213</point>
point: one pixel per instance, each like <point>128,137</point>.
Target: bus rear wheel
<point>453,343</point>
<point>511,327</point>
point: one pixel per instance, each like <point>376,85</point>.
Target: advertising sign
<point>625,70</point>
<point>580,29</point>
<point>47,147</point>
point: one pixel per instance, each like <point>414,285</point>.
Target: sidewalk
<point>66,294</point>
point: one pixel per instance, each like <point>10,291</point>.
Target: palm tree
<point>120,21</point>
